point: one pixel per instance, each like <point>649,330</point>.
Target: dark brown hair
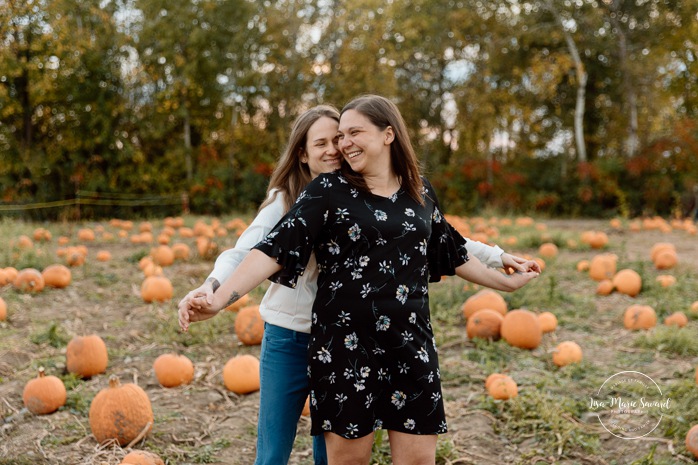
<point>291,175</point>
<point>382,113</point>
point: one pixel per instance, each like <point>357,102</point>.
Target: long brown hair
<point>382,113</point>
<point>291,175</point>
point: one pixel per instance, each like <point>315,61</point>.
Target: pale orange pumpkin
<point>121,412</point>
<point>44,394</point>
<point>666,280</point>
<point>692,440</point>
<point>548,250</point>
<point>548,322</point>
<point>485,298</point>
<point>249,325</point>
<point>605,287</point>
<point>666,260</point>
<point>181,251</point>
<point>598,240</point>
<point>306,407</point>
<point>694,308</point>
<point>156,288</point>
<point>603,266</point>
<point>87,356</point>
<point>185,232</point>
<point>639,317</point>
<point>4,277</point>
<point>24,242</point>
<point>163,255</point>
<point>676,319</point>
<point>238,304</point>
<point>141,457</point>
<point>583,265</point>
<point>484,324</point>
<point>566,353</point>
<point>58,276</point>
<point>86,234</point>
<point>173,370</point>
<point>627,282</point>
<point>520,328</point>
<point>103,256</point>
<point>145,226</point>
<point>660,247</point>
<point>241,374</point>
<point>502,387</point>
<point>29,280</point>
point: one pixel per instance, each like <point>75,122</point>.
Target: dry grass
<point>549,422</point>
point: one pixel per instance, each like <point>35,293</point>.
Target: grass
<point>549,419</point>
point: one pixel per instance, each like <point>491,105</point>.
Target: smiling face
<point>365,147</point>
<point>320,152</point>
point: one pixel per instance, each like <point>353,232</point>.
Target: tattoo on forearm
<point>233,298</point>
<point>214,283</point>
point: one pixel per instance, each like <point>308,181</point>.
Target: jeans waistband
<point>282,332</point>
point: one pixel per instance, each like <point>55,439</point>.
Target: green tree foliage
<point>150,99</point>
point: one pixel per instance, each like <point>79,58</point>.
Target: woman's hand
<point>514,263</point>
<point>197,305</point>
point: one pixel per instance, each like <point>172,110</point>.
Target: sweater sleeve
<point>263,223</point>
<point>487,254</point>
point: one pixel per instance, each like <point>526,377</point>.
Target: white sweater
<point>291,308</point>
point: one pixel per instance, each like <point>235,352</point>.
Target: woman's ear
<point>389,135</point>
<point>302,156</point>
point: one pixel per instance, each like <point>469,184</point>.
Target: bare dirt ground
<point>204,423</point>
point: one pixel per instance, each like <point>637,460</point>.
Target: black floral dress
<point>372,354</point>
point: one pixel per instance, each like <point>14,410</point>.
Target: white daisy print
<point>351,341</point>
<point>398,399</point>
<point>380,215</point>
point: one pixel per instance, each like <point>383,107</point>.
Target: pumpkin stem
<point>42,372</point>
<point>114,381</point>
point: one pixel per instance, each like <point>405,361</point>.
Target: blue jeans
<point>284,388</point>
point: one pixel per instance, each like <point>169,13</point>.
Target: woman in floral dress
<point>379,238</point>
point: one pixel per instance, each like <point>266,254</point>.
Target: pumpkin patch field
<point>94,368</point>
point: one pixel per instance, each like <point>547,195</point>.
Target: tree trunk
<point>187,147</point>
<point>581,74</point>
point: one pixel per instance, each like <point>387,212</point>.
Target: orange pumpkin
<point>603,266</point>
<point>548,250</point>
<point>520,328</point>
<point>583,265</point>
<point>181,251</point>
<point>29,280</point>
<point>628,282</point>
<point>238,304</point>
<point>44,394</point>
<point>141,457</point>
<point>156,288</point>
<point>145,226</point>
<point>23,242</point>
<point>58,276</point>
<point>3,309</point>
<point>660,247</point>
<point>501,387</point>
<point>173,370</point>
<point>4,277</point>
<point>121,412</point>
<point>103,256</point>
<point>241,374</point>
<point>676,319</point>
<point>694,308</point>
<point>75,256</point>
<point>605,287</point>
<point>566,353</point>
<point>666,260</point>
<point>548,322</point>
<point>86,234</point>
<point>692,440</point>
<point>163,255</point>
<point>87,356</point>
<point>485,298</point>
<point>666,280</point>
<point>484,324</point>
<point>639,317</point>
<point>249,325</point>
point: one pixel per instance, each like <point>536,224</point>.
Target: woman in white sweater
<point>287,312</point>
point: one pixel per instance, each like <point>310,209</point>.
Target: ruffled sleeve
<point>446,250</point>
<point>292,240</point>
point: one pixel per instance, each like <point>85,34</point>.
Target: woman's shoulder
<point>327,180</point>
